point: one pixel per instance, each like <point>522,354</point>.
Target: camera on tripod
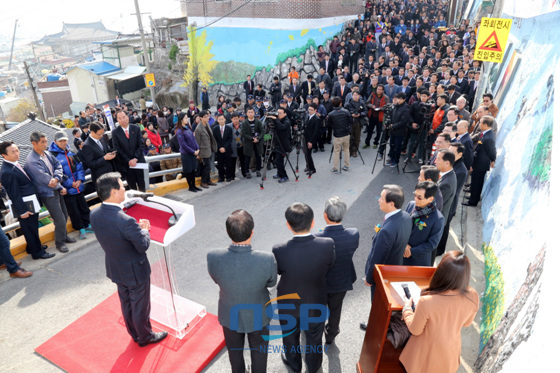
<point>427,108</point>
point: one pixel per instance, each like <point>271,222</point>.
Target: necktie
<point>21,169</point>
<point>222,131</point>
<point>100,145</point>
<point>126,133</point>
<point>341,90</point>
<point>308,88</point>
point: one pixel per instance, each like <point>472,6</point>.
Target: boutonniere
<point>420,224</point>
<point>377,228</point>
<point>480,142</point>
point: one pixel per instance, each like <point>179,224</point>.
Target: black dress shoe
<point>363,326</point>
<point>322,149</point>
<point>258,174</point>
<point>44,255</point>
<point>468,204</point>
<point>62,249</point>
<point>44,247</point>
<point>286,362</point>
<point>193,190</point>
<point>156,337</point>
<point>69,240</point>
<point>198,189</point>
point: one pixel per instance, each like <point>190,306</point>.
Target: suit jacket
<point>17,186</point>
<point>328,69</point>
<point>389,243</point>
<point>461,173</point>
<point>41,174</point>
<point>448,186</point>
<point>342,274</point>
<point>467,142</point>
<point>93,158</point>
<point>128,148</point>
<point>323,78</point>
<point>311,130</point>
<point>453,98</point>
<point>243,275</point>
<point>125,245</point>
<point>205,140</point>
<point>305,89</point>
<point>485,152</point>
<point>463,86</point>
<point>249,91</point>
<point>223,141</point>
<point>423,241</point>
<point>303,263</point>
<point>296,91</point>
<point>336,92</point>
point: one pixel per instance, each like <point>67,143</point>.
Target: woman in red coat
<point>154,136</point>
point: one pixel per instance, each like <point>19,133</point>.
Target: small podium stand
<point>169,309</point>
<point>378,353</point>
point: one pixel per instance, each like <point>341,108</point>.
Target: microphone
<point>139,195</point>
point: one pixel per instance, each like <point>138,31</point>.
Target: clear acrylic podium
<point>177,314</point>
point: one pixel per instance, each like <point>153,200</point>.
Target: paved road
<point>66,287</point>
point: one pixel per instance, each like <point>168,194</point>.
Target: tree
<point>19,113</point>
<point>199,63</point>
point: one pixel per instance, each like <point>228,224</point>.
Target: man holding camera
<point>400,121</point>
<point>310,133</point>
<point>281,126</point>
<point>357,108</point>
<point>374,103</point>
<point>418,131</point>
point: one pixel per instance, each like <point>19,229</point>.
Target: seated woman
<point>154,137</point>
<point>444,308</point>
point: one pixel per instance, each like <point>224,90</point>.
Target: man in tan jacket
<point>207,144</point>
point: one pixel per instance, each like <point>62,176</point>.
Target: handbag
<point>398,333</point>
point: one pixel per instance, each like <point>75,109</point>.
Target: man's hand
<point>53,183</point>
<point>356,115</point>
<point>196,152</point>
<point>255,140</point>
<point>492,164</point>
<point>415,126</point>
<point>132,162</point>
<point>144,224</point>
<point>26,215</point>
<point>407,252</point>
<point>222,150</point>
<point>309,145</point>
<point>63,191</point>
<point>110,156</point>
<point>367,283</point>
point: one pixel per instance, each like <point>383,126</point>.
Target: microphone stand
<point>172,220</point>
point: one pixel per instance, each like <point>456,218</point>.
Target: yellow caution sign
<point>492,39</point>
<point>150,80</point>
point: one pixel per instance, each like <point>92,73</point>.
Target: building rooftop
<point>97,67</point>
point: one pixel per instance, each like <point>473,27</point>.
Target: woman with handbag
<point>446,306</point>
<point>189,151</point>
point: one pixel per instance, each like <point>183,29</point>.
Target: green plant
<point>173,52</point>
<point>199,63</point>
<point>296,51</point>
<point>169,66</point>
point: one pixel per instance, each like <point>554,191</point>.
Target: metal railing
<point>89,197</point>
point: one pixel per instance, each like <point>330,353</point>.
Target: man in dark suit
<point>307,87</point>
<point>295,90</point>
<point>453,94</point>
<point>303,263</point>
<point>427,225</point>
<point>328,65</point>
<point>431,173</point>
<point>125,243</point>
<point>462,83</point>
<point>342,90</point>
<point>392,237</point>
<point>464,138</point>
<point>325,78</point>
<point>484,158</point>
<point>128,143</point>
<point>244,276</point>
<point>96,153</point>
<point>311,135</point>
<point>224,136</point>
<point>249,86</point>
<point>447,184</point>
<point>18,185</point>
<point>342,275</point>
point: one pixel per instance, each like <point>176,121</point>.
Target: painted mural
<point>517,194</point>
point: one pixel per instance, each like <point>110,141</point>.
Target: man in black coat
<point>400,121</point>
<point>328,65</point>
<point>249,86</point>
<point>342,274</point>
<point>19,186</point>
<point>447,184</point>
<point>484,158</point>
<point>224,136</point>
<point>465,139</point>
<point>308,87</point>
<point>282,128</point>
<point>311,135</point>
<point>303,263</point>
<point>392,235</point>
<point>96,152</point>
<point>129,145</point>
<point>125,243</point>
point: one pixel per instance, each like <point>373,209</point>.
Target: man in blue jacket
<point>342,274</point>
<point>427,225</point>
<point>392,237</point>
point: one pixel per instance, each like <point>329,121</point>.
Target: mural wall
<point>517,198</point>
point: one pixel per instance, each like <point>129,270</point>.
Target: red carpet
<point>98,342</point>
<point>159,220</point>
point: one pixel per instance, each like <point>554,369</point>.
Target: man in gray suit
<point>125,243</point>
<point>243,275</point>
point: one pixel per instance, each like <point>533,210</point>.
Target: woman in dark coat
<point>189,151</point>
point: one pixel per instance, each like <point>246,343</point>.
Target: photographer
<point>281,126</point>
<point>401,119</point>
<point>311,133</point>
<point>357,108</point>
<point>340,121</point>
<point>252,133</point>
<point>374,103</point>
<point>418,129</point>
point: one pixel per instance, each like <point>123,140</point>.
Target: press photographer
<point>422,113</point>
<point>340,121</point>
<point>401,119</point>
<point>280,126</point>
<point>357,108</point>
<point>374,104</point>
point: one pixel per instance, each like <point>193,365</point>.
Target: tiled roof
<point>20,136</point>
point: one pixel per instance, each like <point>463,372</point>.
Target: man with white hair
<point>463,113</point>
<point>464,138</point>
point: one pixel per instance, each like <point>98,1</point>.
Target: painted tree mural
<point>200,62</point>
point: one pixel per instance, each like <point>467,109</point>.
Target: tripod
<point>268,152</point>
<point>421,134</point>
<point>422,131</point>
<point>382,152</point>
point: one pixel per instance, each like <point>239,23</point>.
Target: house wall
<point>57,97</point>
<point>87,87</point>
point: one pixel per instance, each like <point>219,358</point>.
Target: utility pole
<point>13,41</point>
<point>37,103</point>
<point>145,50</point>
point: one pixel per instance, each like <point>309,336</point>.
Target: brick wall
<point>295,9</point>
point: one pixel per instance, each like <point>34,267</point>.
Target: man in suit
<point>464,138</point>
<point>427,225</point>
<point>244,276</point>
<point>447,184</point>
<point>125,243</point>
<point>249,86</point>
<point>308,87</point>
<point>96,153</point>
<point>128,143</point>
<point>311,134</point>
<point>328,65</point>
<point>46,173</point>
<point>303,263</point>
<point>18,185</point>
<point>295,89</point>
<point>453,94</point>
<point>462,83</point>
<point>342,90</point>
<point>483,160</point>
<point>325,78</point>
<point>224,136</point>
<point>392,237</point>
<point>342,274</point>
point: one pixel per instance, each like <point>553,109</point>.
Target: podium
<point>175,313</point>
<point>378,353</point>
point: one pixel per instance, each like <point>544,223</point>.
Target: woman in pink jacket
<point>445,307</point>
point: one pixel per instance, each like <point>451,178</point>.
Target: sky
<point>37,18</point>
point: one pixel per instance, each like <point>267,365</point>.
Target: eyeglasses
<point>420,198</point>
